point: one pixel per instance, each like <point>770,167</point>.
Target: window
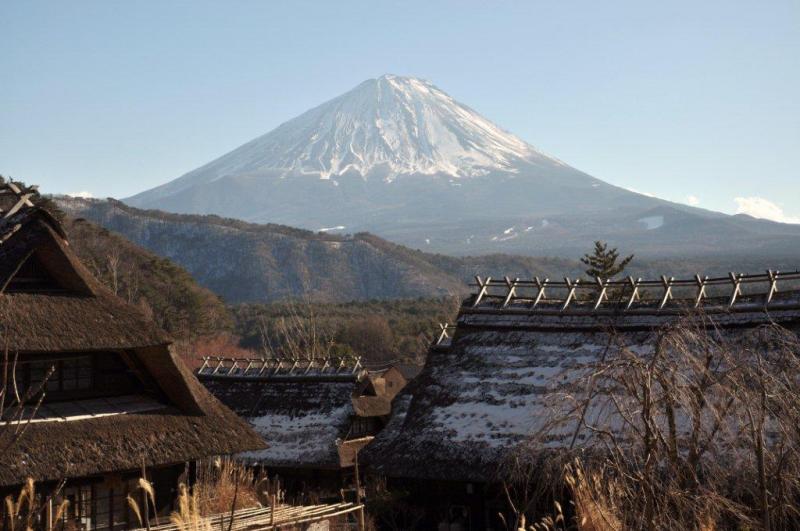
<point>362,427</point>
<point>79,511</point>
<point>74,376</point>
<point>99,506</point>
<point>68,374</point>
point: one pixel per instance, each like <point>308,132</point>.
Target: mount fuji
<point>399,157</point>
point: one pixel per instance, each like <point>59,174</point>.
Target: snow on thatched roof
<point>300,407</point>
<point>489,390</point>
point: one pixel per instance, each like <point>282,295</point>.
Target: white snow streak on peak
<point>384,127</point>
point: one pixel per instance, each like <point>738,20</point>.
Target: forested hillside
<point>252,263</point>
<point>378,331</point>
<point>165,290</point>
<point>245,262</point>
<point>291,291</point>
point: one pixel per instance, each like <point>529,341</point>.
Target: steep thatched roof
<point>57,450</point>
<point>187,423</point>
<point>80,315</point>
<point>74,313</point>
<point>482,396</point>
<point>300,421</point>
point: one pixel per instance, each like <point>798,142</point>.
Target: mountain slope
<point>381,129</point>
<point>244,262</point>
<point>393,155</point>
<point>260,263</point>
<point>173,298</point>
<point>400,158</point>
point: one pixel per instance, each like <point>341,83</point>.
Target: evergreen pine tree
<point>602,262</point>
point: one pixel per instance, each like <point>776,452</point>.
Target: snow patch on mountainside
<point>652,222</point>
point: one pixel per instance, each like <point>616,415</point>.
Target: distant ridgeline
<point>255,263</point>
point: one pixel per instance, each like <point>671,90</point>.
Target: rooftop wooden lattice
<point>732,292</point>
<point>283,517</point>
<point>21,197</point>
<point>281,368</point>
<point>14,199</point>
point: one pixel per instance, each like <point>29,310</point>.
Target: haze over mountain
<point>399,157</point>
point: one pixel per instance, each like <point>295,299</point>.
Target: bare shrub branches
<point>295,335</point>
<point>17,406</point>
<point>694,429</point>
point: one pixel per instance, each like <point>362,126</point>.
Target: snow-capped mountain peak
<point>398,157</point>
<point>382,128</point>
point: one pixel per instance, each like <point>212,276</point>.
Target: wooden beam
<point>483,288</point>
<point>512,290</point>
<point>701,290</point>
<point>736,280</point>
<point>773,285</point>
<point>603,285</point>
<point>667,283</point>
<point>634,291</point>
<point>541,286</point>
<point>571,293</point>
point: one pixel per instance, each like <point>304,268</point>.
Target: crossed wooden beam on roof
<point>258,367</point>
<point>23,196</point>
<point>445,329</point>
<point>507,292</point>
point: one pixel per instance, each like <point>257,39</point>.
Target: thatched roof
<point>181,422</point>
<point>56,450</point>
<point>482,396</point>
<point>301,408</point>
<point>188,424</point>
<point>300,421</point>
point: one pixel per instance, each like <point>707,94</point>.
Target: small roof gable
<point>37,241</point>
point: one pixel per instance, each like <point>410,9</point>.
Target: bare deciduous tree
<point>298,334</point>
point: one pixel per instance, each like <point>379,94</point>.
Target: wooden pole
<point>361,525</point>
<point>272,511</point>
<point>145,500</point>
<point>50,513</point>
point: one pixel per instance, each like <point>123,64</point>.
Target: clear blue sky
<point>676,99</point>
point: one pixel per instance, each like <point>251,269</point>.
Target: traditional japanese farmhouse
<point>481,393</point>
<point>92,396</point>
<point>315,415</point>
